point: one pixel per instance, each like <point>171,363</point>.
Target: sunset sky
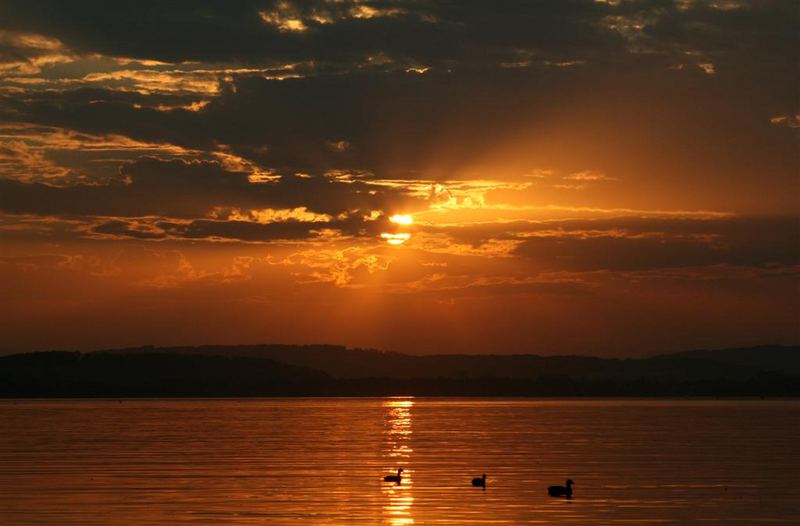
<point>614,178</point>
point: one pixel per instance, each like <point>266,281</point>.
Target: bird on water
<point>561,491</point>
<point>394,478</point>
<point>479,482</point>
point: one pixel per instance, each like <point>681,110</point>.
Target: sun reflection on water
<point>398,497</point>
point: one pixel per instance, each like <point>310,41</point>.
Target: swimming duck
<point>394,478</point>
<point>561,491</point>
<point>479,482</point>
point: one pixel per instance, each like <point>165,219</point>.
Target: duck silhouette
<point>394,478</point>
<point>561,491</point>
<point>479,482</point>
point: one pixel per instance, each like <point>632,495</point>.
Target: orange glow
<point>555,205</point>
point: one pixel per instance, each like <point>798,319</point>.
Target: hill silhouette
<point>55,374</point>
<point>324,370</point>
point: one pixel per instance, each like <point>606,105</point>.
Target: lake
<point>322,461</point>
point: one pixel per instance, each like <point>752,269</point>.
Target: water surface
<point>321,461</point>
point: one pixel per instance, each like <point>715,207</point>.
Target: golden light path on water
<point>398,498</point>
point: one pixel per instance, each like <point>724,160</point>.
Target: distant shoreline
<point>412,397</point>
<point>329,371</point>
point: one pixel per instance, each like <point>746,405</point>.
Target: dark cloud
<point>690,128</point>
<point>203,229</point>
<point>421,31</point>
<point>335,31</point>
<point>124,229</point>
<point>439,124</point>
<point>614,79</point>
<point>191,189</point>
<point>653,244</point>
<point>633,243</point>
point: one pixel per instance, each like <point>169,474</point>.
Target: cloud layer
<point>571,167</point>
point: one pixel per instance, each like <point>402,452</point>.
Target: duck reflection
<point>398,497</point>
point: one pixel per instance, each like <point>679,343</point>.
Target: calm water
<point>321,461</point>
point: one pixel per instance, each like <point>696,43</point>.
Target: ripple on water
<point>322,461</point>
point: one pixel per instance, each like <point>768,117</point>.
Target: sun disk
<point>402,219</point>
<point>396,239</point>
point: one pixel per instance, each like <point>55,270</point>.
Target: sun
<point>402,219</point>
<point>398,238</point>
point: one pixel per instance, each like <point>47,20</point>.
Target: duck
<point>394,478</point>
<point>479,482</point>
<point>561,491</point>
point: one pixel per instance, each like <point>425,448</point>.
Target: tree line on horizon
<point>283,370</point>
